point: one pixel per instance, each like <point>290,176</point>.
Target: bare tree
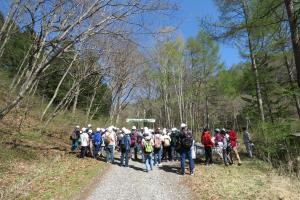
<point>61,24</point>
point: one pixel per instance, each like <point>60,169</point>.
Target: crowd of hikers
<point>155,146</point>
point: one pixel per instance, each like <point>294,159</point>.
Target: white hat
<point>98,129</point>
<point>90,131</point>
<point>183,125</point>
<point>217,130</point>
<point>77,126</point>
<point>110,129</point>
<point>134,128</point>
<point>83,129</point>
<point>148,138</point>
<point>89,125</point>
<point>174,129</point>
<point>147,132</point>
<point>164,131</point>
<point>123,129</point>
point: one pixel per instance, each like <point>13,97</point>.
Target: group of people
<point>157,145</point>
<point>225,142</point>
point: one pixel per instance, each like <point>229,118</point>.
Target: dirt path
<point>121,183</point>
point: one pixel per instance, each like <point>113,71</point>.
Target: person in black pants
<point>208,144</point>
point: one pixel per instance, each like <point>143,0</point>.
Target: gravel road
<point>121,183</point>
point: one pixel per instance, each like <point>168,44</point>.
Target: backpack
<point>123,145</point>
<point>157,142</point>
<point>107,140</point>
<point>166,142</point>
<point>74,135</point>
<point>187,141</point>
<point>97,138</point>
<point>133,139</point>
<point>174,137</point>
<point>148,148</point>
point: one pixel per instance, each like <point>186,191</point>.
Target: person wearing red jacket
<point>208,144</point>
<point>233,143</point>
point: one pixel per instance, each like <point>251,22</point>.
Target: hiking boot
<point>239,164</point>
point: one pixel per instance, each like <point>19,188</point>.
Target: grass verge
<point>28,175</point>
<point>253,180</point>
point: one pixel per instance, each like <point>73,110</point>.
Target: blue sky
<point>190,12</point>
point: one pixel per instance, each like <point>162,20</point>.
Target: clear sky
<point>190,12</point>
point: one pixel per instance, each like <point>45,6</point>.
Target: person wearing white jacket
<point>84,138</point>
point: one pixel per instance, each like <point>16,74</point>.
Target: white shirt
<point>84,138</point>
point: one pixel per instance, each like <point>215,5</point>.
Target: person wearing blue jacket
<point>97,139</point>
<point>125,147</point>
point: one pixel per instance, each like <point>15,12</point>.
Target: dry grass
<point>253,180</point>
<point>38,166</point>
<point>27,174</point>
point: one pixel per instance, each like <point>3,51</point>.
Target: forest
<point>87,61</point>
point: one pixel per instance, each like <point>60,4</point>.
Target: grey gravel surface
<point>124,183</point>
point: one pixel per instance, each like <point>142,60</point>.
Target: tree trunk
<point>58,87</point>
<point>269,107</point>
<point>76,99</point>
<point>293,23</point>
<point>5,31</point>
<point>292,80</point>
<point>206,111</point>
<point>92,100</point>
<point>254,65</point>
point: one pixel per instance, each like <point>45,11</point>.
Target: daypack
<point>74,135</point>
<point>166,142</point>
<point>124,144</point>
<point>107,140</point>
<point>157,142</point>
<point>174,138</point>
<point>97,138</point>
<point>187,141</point>
<point>133,139</point>
<point>148,148</point>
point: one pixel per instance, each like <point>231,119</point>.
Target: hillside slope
<point>39,166</point>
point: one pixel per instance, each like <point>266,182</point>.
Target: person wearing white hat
<point>147,146</point>
<point>110,142</point>
<point>125,147</point>
<point>186,141</point>
<point>74,137</point>
<point>84,139</point>
<point>166,140</point>
<point>91,146</point>
<point>174,143</point>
